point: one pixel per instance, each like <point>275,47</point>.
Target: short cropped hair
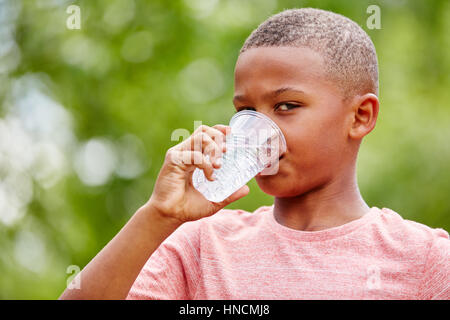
<point>349,54</point>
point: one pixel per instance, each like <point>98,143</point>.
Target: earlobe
<point>365,113</point>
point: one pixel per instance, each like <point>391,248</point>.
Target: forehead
<point>275,66</point>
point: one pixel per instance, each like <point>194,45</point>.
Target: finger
<point>187,160</point>
<point>217,135</point>
<point>223,128</point>
<point>203,142</point>
<point>240,193</point>
<point>215,154</point>
<point>226,130</point>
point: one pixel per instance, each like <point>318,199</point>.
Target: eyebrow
<point>270,94</point>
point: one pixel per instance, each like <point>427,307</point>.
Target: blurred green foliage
<point>86,116</point>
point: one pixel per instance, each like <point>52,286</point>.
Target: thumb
<point>240,193</point>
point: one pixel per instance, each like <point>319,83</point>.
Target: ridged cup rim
<point>264,117</point>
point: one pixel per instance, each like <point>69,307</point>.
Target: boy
<point>315,74</point>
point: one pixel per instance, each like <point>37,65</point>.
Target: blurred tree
<point>87,116</point>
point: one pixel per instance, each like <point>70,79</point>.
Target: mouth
<point>269,166</point>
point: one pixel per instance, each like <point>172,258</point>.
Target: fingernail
<point>219,161</point>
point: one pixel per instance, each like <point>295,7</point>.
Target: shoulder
<point>407,230</point>
<point>411,238</point>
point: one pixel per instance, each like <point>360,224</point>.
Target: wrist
<point>152,211</point>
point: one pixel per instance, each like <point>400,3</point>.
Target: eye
<point>286,106</point>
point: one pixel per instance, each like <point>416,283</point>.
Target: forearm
<point>113,271</point>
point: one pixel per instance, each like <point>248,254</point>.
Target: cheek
<point>316,145</point>
<point>315,152</point>
<point>310,163</point>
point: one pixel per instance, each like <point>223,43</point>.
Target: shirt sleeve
<point>435,284</point>
<point>171,272</point>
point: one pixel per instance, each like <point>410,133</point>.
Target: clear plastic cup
<point>254,146</point>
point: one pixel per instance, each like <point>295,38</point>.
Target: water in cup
<point>255,143</point>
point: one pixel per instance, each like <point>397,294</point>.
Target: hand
<point>173,195</point>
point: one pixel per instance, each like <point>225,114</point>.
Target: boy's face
<point>309,110</point>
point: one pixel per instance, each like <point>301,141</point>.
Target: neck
<point>329,205</point>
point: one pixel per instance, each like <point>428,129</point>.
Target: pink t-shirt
<point>235,254</point>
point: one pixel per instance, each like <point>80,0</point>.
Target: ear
<point>365,113</point>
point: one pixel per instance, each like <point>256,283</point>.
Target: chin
<point>287,185</point>
<point>275,185</point>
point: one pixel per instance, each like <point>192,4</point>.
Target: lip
<point>279,159</point>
